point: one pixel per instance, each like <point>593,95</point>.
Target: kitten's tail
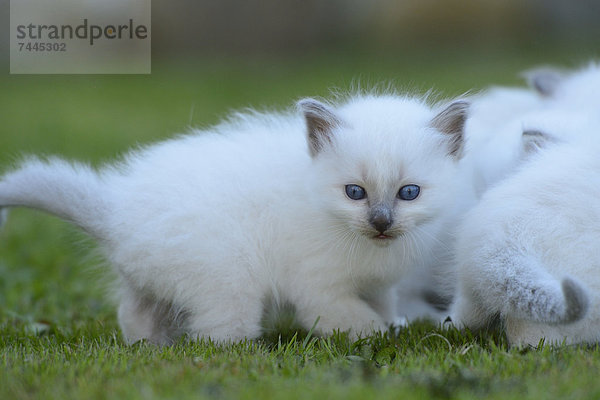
<point>549,302</point>
<point>74,192</point>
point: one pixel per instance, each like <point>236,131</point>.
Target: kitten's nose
<point>381,219</point>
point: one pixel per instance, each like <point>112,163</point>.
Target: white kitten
<point>571,90</point>
<point>493,134</point>
<point>497,117</point>
<point>529,252</point>
<point>206,230</point>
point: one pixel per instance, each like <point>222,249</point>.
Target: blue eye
<point>409,192</point>
<point>355,192</point>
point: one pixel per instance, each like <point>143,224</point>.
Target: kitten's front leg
<point>466,312</point>
<point>347,313</point>
<point>385,303</point>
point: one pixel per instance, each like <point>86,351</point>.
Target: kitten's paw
<point>400,322</point>
<point>448,322</point>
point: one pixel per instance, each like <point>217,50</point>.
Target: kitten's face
<point>387,173</point>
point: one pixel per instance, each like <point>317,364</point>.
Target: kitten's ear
<point>534,140</point>
<point>451,121</point>
<point>320,123</point>
<point>544,80</point>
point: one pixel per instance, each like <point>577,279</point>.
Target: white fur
<point>205,228</point>
<point>497,118</point>
<point>577,90</point>
<point>493,134</point>
<point>529,252</point>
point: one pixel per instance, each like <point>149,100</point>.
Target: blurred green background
<point>210,57</point>
<point>213,56</point>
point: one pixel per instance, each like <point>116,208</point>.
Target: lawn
<point>59,336</point>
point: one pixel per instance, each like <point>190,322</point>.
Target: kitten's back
<point>529,250</point>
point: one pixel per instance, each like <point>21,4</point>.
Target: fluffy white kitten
<point>493,134</point>
<point>529,252</point>
<point>323,210</point>
<point>571,90</point>
<point>497,118</point>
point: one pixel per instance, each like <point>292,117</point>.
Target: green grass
<point>58,332</point>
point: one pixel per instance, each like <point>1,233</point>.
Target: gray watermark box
<point>80,37</point>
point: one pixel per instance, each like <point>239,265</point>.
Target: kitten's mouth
<point>383,236</point>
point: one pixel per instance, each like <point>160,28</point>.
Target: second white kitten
<point>498,116</point>
<point>529,252</point>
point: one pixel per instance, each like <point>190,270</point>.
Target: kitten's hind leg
<point>230,317</point>
<point>142,317</point>
<point>529,292</point>
<point>517,285</point>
